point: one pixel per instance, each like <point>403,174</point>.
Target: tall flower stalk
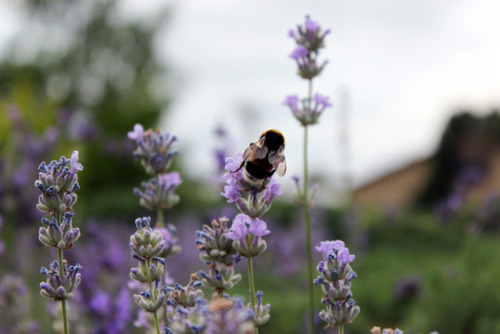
<point>248,229</point>
<point>154,151</point>
<point>57,183</point>
<point>309,39</point>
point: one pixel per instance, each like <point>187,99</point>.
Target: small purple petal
<point>172,179</point>
<point>75,165</point>
<point>258,228</point>
<point>137,133</point>
<point>312,26</point>
<point>299,52</point>
<point>239,229</point>
<point>292,101</point>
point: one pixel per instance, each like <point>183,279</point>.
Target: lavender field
<point>109,224</point>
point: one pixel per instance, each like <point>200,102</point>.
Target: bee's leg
<point>240,167</point>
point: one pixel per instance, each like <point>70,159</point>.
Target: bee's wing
<point>281,168</point>
<point>256,150</point>
<point>277,159</point>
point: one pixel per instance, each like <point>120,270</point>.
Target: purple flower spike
<point>258,228</point>
<point>137,133</point>
<point>309,39</point>
<point>335,276</point>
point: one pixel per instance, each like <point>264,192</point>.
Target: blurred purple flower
<point>100,302</point>
<point>154,149</point>
<point>75,165</point>
<point>307,113</point>
<point>160,195</point>
<point>310,35</point>
<point>232,188</point>
<point>299,53</point>
<point>312,26</point>
<point>170,180</point>
<point>137,133</point>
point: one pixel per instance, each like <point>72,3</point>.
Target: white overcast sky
<point>406,64</point>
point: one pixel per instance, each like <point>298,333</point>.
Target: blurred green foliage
<point>100,69</point>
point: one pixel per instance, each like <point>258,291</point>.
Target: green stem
<point>155,316</point>
<point>63,302</point>
<point>65,317</point>
<point>60,260</point>
<point>341,329</point>
<point>160,223</point>
<point>307,217</point>
<point>164,282</point>
<point>251,282</point>
<point>159,212</point>
<point>157,325</point>
<point>252,287</point>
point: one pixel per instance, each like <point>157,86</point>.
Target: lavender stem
<point>63,301</point>
<point>307,218</point>
<point>252,287</point>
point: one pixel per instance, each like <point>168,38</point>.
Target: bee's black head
<point>274,139</point>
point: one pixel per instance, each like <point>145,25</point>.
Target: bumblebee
<point>263,158</point>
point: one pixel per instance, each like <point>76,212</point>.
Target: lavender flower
<point>307,63</point>
<point>261,312</point>
<point>147,246</point>
<point>307,113</point>
<point>154,149</point>
<point>184,296</point>
<point>247,234</point>
<point>335,280</point>
<point>57,235</point>
<point>220,316</point>
<point>159,193</point>
<point>57,287</point>
<point>229,316</point>
<point>58,183</point>
<point>254,203</point>
<point>377,330</point>
<point>189,320</point>
<point>309,36</point>
<point>215,243</point>
<point>309,40</point>
<point>219,254</point>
